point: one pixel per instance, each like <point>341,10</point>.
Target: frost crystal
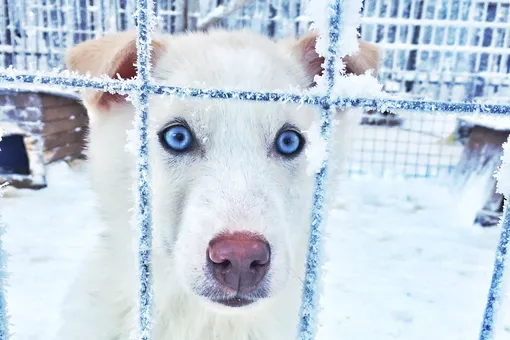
<point>316,152</point>
<point>503,174</point>
<point>4,318</point>
<point>3,272</point>
<point>495,291</point>
<point>341,23</point>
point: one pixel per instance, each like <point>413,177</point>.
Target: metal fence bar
<point>311,283</point>
<point>468,36</point>
<point>126,86</point>
<point>102,10</point>
<point>489,317</point>
<point>4,325</point>
<point>143,45</point>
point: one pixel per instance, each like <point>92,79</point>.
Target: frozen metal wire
<point>311,284</point>
<point>102,4</point>
<point>143,44</point>
<point>487,330</point>
<point>11,78</point>
<point>4,326</point>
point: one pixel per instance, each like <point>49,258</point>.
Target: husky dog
<point>231,189</point>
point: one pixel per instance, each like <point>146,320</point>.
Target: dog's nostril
<point>256,265</point>
<point>225,265</point>
<point>239,261</point>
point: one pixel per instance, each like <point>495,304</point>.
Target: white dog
<point>230,187</point>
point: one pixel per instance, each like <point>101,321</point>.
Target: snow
<point>500,123</point>
<point>409,263</point>
<point>48,235</point>
<point>404,262</point>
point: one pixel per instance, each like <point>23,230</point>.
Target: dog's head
<point>231,191</point>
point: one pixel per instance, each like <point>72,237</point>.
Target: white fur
<point>236,184</point>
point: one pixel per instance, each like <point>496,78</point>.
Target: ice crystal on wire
<point>4,318</point>
<point>503,174</point>
<point>315,152</point>
<point>320,12</point>
<point>146,23</point>
<point>345,26</point>
<point>312,283</point>
<point>3,271</point>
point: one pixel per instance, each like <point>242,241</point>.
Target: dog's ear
<point>367,58</point>
<point>111,55</point>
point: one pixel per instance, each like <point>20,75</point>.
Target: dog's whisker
<point>294,275</point>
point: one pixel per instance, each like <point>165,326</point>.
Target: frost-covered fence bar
<point>448,50</point>
<point>10,78</point>
<point>500,263</point>
<point>143,45</point>
<point>489,317</point>
<point>4,329</point>
<point>310,296</point>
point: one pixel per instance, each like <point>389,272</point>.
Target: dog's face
<point>231,190</point>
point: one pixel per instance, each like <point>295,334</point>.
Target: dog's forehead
<point>230,61</point>
<point>223,115</point>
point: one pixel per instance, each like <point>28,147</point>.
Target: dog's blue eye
<point>178,138</point>
<point>289,143</point>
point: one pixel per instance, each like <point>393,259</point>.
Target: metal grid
<point>443,50</point>
<point>142,87</point>
<point>447,50</point>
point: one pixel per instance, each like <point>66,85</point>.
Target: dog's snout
<point>239,261</point>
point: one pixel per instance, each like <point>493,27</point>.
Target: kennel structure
<point>482,157</point>
<point>38,127</point>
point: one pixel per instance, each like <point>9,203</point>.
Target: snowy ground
<point>404,260</point>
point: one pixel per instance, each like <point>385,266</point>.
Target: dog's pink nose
<point>239,260</point>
